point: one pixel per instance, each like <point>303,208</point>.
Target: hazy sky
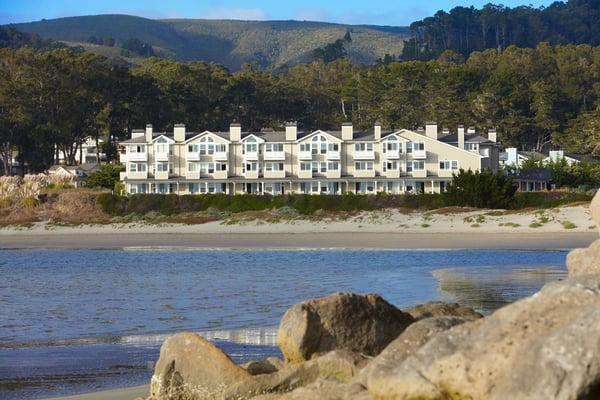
<point>382,12</point>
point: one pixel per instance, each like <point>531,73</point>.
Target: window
<point>363,165</point>
<point>323,167</point>
<point>193,148</point>
<point>333,147</point>
<point>315,167</point>
<point>390,166</point>
<point>273,147</point>
<point>418,165</point>
<point>163,148</point>
<point>448,164</point>
<point>409,166</point>
<point>305,147</point>
<point>141,148</point>
<point>221,167</point>
<point>274,167</point>
<point>305,166</point>
<point>333,166</point>
<point>251,147</point>
<point>162,167</point>
<point>193,187</point>
<point>391,147</point>
<point>248,167</point>
<point>418,146</point>
<point>137,167</point>
<point>220,148</point>
<point>471,146</point>
<point>193,167</point>
<point>363,147</point>
<point>409,147</point>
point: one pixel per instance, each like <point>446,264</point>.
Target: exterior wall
<point>345,179</point>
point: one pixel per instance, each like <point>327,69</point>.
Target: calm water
<point>75,321</point>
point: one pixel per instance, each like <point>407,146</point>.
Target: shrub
<point>481,189</point>
<point>106,177</point>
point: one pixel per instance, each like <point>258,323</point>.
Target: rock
<point>440,309</point>
<point>266,366</point>
<point>190,367</point>
<point>359,323</point>
<point>407,343</point>
<point>595,209</point>
<point>338,365</point>
<point>542,347</point>
<point>584,261</point>
<point>323,389</point>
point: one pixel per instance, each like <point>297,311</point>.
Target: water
<point>76,321</point>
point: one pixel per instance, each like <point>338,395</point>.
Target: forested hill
<point>465,30</point>
<point>268,44</point>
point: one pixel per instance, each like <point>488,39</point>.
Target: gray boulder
<point>440,309</point>
<point>190,367</point>
<point>359,323</point>
<point>542,347</point>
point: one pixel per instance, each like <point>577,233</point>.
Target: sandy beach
<point>114,394</point>
<point>561,228</point>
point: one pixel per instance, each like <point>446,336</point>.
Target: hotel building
<point>292,161</point>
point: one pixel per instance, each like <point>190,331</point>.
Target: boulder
<point>542,347</point>
<point>191,367</point>
<point>323,389</point>
<point>407,343</point>
<point>441,309</point>
<point>266,366</point>
<point>587,261</point>
<point>358,323</point>
<point>595,209</point>
<point>338,365</point>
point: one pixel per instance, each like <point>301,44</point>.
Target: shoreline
<point>128,393</point>
<point>172,241</point>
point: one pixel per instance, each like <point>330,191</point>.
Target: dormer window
<point>207,146</point>
<point>319,144</point>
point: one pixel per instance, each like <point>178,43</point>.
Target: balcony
<point>137,175</point>
<point>161,156</point>
<point>161,175</point>
<point>364,173</point>
<point>251,155</point>
<point>419,154</point>
<point>305,155</point>
<point>392,155</point>
<point>305,174</point>
<point>195,156</point>
<point>419,173</point>
<point>333,155</point>
<point>220,156</point>
<point>274,174</point>
<point>251,174</point>
<point>136,157</point>
<point>192,175</point>
<point>364,155</point>
<point>220,175</point>
<point>274,155</point>
<point>331,174</point>
<point>392,173</point>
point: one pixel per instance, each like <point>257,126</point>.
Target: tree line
<point>467,29</point>
<point>50,101</point>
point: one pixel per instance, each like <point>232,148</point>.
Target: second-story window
<point>304,147</point>
<point>193,148</point>
<point>363,165</point>
<point>449,164</point>
<point>418,165</point>
<point>363,147</point>
<point>162,167</point>
<point>333,147</point>
<point>163,148</point>
<point>273,147</point>
<point>140,148</point>
<point>418,146</point>
<point>333,166</point>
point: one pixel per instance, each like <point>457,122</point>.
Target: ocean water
<point>77,321</point>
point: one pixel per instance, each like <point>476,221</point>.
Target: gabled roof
<point>194,135</point>
<point>164,135</point>
<point>252,135</point>
<point>319,132</point>
<point>427,138</point>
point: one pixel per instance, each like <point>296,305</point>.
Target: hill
<point>269,44</point>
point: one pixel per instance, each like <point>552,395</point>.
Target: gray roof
<point>533,174</point>
<point>585,158</point>
<point>469,138</point>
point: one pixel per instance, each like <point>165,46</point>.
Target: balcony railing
<point>136,157</point>
<point>161,156</point>
<point>333,155</point>
<point>274,174</point>
<point>392,155</point>
<point>305,174</point>
<point>274,155</point>
<point>161,175</point>
<point>419,154</point>
<point>364,155</point>
<point>221,155</point>
<point>251,174</point>
<point>392,173</point>
<point>192,174</point>
<point>251,155</point>
<point>419,173</point>
<point>195,156</point>
<point>305,155</point>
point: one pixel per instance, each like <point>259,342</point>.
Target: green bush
<point>106,177</point>
<point>481,189</point>
<point>548,199</point>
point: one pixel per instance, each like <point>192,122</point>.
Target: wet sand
<point>113,394</point>
<point>334,240</point>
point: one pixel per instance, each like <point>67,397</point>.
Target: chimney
<point>471,130</point>
<point>512,157</point>
<point>377,130</point>
<point>235,132</point>
<point>136,133</point>
<point>179,133</point>
<point>431,130</point>
<point>291,131</point>
<point>149,133</point>
<point>347,131</point>
<point>461,137</point>
<point>492,135</point>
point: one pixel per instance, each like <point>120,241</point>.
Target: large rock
<point>323,389</point>
<point>338,365</point>
<point>440,309</point>
<point>543,347</point>
<point>359,323</point>
<point>266,366</point>
<point>587,261</point>
<point>412,339</point>
<point>190,367</point>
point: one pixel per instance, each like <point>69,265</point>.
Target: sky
<point>377,12</point>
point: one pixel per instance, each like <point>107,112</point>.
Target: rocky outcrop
<point>346,321</point>
<point>543,347</point>
<point>587,261</point>
<point>440,309</point>
<point>266,366</point>
<point>190,367</point>
<point>323,389</point>
<point>338,365</point>
<point>412,339</point>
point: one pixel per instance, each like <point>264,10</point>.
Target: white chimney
<point>461,137</point>
<point>179,133</point>
<point>492,135</point>
<point>291,131</point>
<point>347,131</point>
<point>471,130</point>
<point>431,130</point>
<point>377,130</point>
<point>136,133</point>
<point>556,155</point>
<point>235,132</point>
<point>512,156</point>
<point>149,133</point>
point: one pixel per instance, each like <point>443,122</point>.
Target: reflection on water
<point>73,321</point>
<point>487,288</point>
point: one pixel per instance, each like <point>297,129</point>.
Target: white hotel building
<point>292,161</point>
